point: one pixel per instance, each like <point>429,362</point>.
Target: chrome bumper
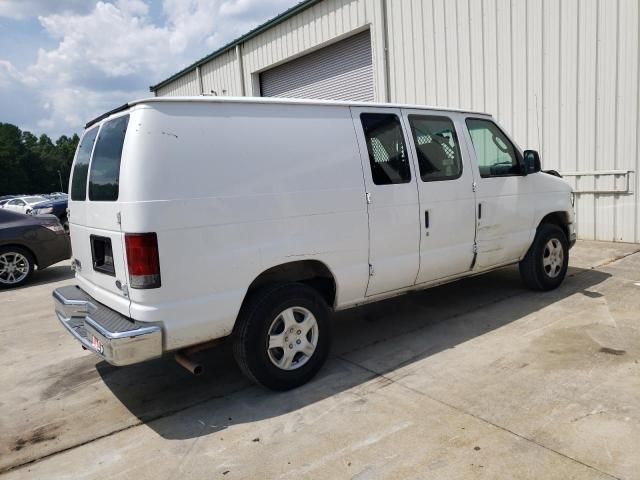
<point>114,337</point>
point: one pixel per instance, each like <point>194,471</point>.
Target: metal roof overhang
<point>253,33</point>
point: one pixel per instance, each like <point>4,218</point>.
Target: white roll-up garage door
<point>342,71</point>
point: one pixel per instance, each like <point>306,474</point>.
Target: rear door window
<point>81,167</point>
<point>437,147</point>
<point>387,150</point>
<point>104,178</point>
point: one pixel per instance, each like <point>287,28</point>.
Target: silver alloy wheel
<point>14,267</point>
<point>292,338</point>
<point>553,258</point>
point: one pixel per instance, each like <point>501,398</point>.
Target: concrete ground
<point>477,379</point>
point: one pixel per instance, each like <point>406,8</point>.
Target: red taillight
<point>143,260</point>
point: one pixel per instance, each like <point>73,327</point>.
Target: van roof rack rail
<point>121,108</point>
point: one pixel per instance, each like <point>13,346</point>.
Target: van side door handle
<point>479,210</point>
<point>426,219</point>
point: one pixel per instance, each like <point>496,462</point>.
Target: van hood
<point>556,184</point>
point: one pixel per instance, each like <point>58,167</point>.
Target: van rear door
<point>392,199</point>
<point>94,221</point>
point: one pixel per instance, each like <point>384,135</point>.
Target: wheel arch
<point>313,273</point>
<point>22,247</point>
<point>559,218</point>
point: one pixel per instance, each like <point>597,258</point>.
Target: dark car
<point>55,206</point>
<point>27,242</point>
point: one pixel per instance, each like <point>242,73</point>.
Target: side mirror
<point>531,161</point>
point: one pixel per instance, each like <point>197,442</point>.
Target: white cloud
<point>8,74</point>
<point>110,53</point>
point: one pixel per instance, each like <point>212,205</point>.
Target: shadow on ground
<point>411,327</point>
<point>56,273</point>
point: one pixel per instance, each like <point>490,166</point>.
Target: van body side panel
<point>232,190</point>
<point>549,194</point>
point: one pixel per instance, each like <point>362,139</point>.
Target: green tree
<point>31,164</point>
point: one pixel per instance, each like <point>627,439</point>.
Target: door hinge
<point>372,271</point>
<point>119,218</point>
<point>474,186</point>
<point>368,198</point>
<point>475,248</point>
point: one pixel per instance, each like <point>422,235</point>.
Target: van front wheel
<point>282,336</point>
<point>545,265</point>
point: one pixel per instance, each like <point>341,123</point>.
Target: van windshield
<point>104,178</point>
<point>81,167</point>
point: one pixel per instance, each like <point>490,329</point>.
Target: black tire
<point>259,314</point>
<point>535,274</point>
<point>5,278</point>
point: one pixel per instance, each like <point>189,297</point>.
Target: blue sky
<point>63,62</point>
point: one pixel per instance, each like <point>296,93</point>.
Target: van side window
<point>104,178</point>
<point>437,147</point>
<point>496,155</point>
<point>387,151</point>
<point>81,167</point>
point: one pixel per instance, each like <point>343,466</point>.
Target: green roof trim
<point>247,36</point>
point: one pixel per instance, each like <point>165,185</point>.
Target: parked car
<point>193,219</point>
<point>55,206</point>
<point>23,204</point>
<point>27,243</point>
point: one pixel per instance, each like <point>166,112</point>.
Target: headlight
<point>42,211</point>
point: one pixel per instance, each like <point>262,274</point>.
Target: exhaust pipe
<point>183,356</point>
<point>186,362</point>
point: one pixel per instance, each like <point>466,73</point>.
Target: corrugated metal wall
<point>222,75</point>
<point>561,76</point>
<point>185,85</point>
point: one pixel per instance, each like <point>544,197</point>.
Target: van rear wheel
<point>282,335</point>
<point>545,265</point>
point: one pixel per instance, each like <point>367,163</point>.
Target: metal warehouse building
<point>561,76</point>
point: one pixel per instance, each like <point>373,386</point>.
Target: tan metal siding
<point>562,77</point>
<point>185,85</point>
<point>221,75</point>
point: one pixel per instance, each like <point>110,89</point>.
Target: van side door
<point>392,197</point>
<point>504,206</point>
<point>445,187</point>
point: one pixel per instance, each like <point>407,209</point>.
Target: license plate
<point>96,344</point>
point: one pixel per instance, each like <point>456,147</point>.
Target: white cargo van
<point>194,219</point>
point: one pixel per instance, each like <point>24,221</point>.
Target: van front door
<point>392,197</point>
<point>447,201</point>
<point>504,226</point>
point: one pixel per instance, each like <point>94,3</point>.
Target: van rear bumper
<point>114,337</point>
